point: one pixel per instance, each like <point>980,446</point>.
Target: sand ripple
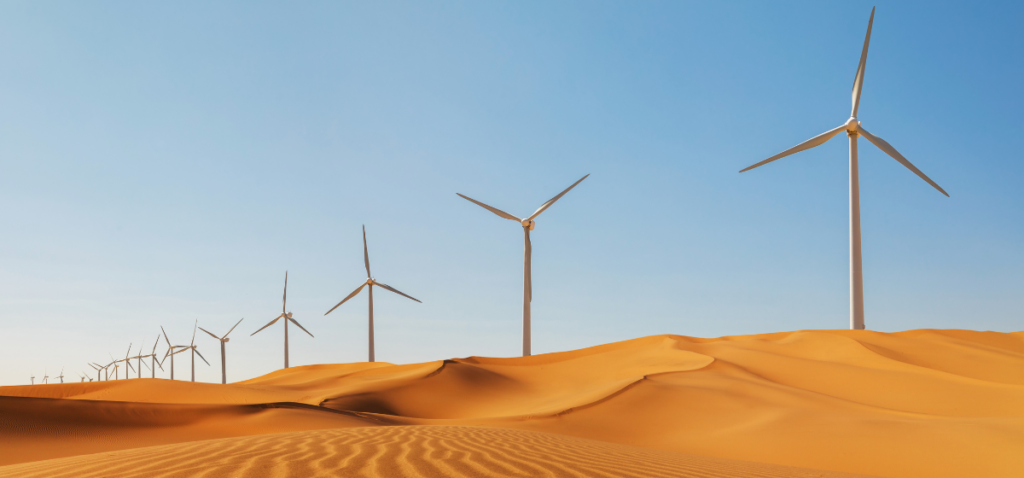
<point>402,451</point>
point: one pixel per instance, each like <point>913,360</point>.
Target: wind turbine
<point>528,225</point>
<point>287,318</point>
<point>61,376</point>
<point>170,351</point>
<point>138,359</point>
<point>33,379</point>
<point>223,358</point>
<point>370,281</point>
<point>854,129</point>
<point>45,376</point>
<point>127,362</point>
<point>152,355</point>
<point>192,347</point>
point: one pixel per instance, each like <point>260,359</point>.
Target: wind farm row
<point>852,127</point>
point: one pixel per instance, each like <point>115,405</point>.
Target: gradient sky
<point>166,163</point>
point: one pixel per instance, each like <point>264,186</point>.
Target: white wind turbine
<point>46,377</point>
<point>854,129</point>
<point>127,362</point>
<point>370,281</point>
<point>138,359</point>
<point>33,379</point>
<point>191,346</point>
<point>528,225</point>
<point>61,376</point>
<point>223,358</point>
<point>287,318</point>
<point>152,355</point>
<point>170,351</point>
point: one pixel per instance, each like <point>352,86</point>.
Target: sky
<point>165,164</point>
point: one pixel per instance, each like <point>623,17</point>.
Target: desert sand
<point>807,403</point>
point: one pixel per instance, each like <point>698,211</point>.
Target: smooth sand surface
<point>944,403</point>
<point>406,451</point>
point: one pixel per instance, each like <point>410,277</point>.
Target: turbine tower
<point>528,225</point>
<point>287,318</point>
<point>854,129</point>
<point>370,281</point>
<point>170,351</point>
<point>223,358</point>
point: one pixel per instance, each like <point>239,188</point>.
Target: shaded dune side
<point>413,451</point>
<point>41,428</point>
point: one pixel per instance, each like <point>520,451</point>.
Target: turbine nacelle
<point>288,315</point>
<point>371,281</point>
<point>529,223</point>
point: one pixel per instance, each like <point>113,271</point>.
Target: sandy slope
<point>916,403</point>
<point>412,451</point>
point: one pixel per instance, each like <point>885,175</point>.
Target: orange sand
<point>917,403</point>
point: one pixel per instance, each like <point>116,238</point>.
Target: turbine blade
<point>284,300</point>
<point>165,336</point>
<point>528,266</point>
<point>126,354</point>
<point>194,332</point>
<point>272,322</point>
<point>366,254</point>
<point>143,362</point>
<point>200,355</point>
<point>233,328</point>
<point>884,146</point>
<point>392,289</point>
<point>858,80</point>
<point>211,333</point>
<point>160,363</point>
<point>495,210</point>
<point>353,294</point>
<point>186,349</point>
<point>155,343</point>
<point>129,364</point>
<point>300,326</point>
<point>815,141</point>
<point>559,196</point>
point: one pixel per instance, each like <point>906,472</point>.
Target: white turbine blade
<point>160,363</point>
<point>528,266</point>
<point>366,254</point>
<point>211,333</point>
<point>155,343</point>
<point>559,196</point>
<point>300,326</point>
<point>353,294</point>
<point>392,289</point>
<point>858,81</point>
<point>194,332</point>
<point>186,349</point>
<point>233,328</point>
<point>129,352</point>
<point>165,336</point>
<point>884,146</point>
<point>93,366</point>
<point>143,362</point>
<point>495,210</point>
<point>272,322</point>
<point>200,355</point>
<point>129,364</point>
<point>815,141</point>
<point>284,300</point>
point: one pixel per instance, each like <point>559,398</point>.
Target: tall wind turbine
<point>192,347</point>
<point>223,358</point>
<point>528,225</point>
<point>61,376</point>
<point>854,129</point>
<point>370,281</point>
<point>152,355</point>
<point>127,363</point>
<point>287,318</point>
<point>170,351</point>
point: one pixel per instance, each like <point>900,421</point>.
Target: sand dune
<point>916,403</point>
<point>409,451</point>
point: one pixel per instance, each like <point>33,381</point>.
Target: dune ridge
<point>943,403</point>
<point>408,451</point>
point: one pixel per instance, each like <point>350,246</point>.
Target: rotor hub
<point>288,315</point>
<point>852,125</point>
<point>529,224</point>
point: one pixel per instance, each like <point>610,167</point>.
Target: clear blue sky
<point>165,163</point>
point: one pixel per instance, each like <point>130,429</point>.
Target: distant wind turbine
<point>528,225</point>
<point>191,346</point>
<point>152,355</point>
<point>287,318</point>
<point>33,379</point>
<point>223,358</point>
<point>45,376</point>
<point>853,129</point>
<point>61,376</point>
<point>370,281</point>
<point>170,351</point>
